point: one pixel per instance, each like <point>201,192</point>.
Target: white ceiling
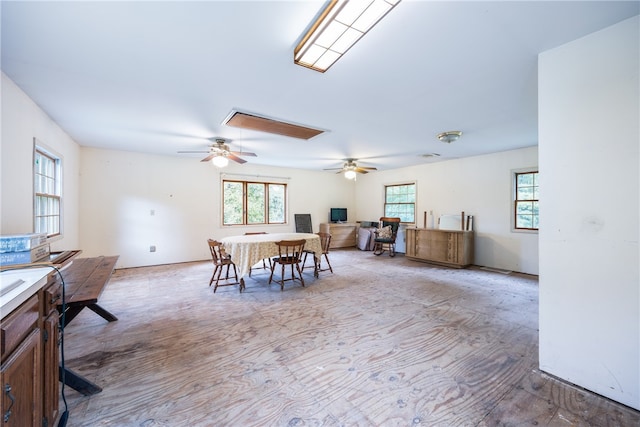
<point>160,77</point>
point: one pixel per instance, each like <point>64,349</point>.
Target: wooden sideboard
<point>343,235</point>
<point>30,357</point>
<point>452,248</point>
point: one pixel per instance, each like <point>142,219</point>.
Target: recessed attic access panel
<point>244,120</point>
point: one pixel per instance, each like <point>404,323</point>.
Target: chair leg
<point>282,278</point>
<point>217,278</point>
<point>328,263</point>
<point>273,267</point>
<point>378,249</point>
<point>215,270</point>
<point>299,273</point>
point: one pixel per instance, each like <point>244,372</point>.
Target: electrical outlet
<point>152,248</point>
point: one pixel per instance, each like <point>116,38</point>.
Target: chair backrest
<point>393,222</point>
<point>290,250</point>
<point>218,255</point>
<point>325,241</point>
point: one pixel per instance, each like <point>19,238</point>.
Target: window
<point>526,200</point>
<point>400,201</point>
<point>47,196</point>
<point>253,203</point>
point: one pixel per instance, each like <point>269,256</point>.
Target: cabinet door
<point>50,368</point>
<point>21,381</point>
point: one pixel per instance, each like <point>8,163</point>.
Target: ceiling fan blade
<point>361,170</point>
<point>367,168</point>
<point>244,153</point>
<point>200,151</point>
<point>236,158</point>
<point>209,157</point>
<point>333,169</point>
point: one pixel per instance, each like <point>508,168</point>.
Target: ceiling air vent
<point>243,120</point>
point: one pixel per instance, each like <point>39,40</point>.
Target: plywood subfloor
<point>381,342</point>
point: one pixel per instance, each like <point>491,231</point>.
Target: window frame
<point>245,202</point>
<point>414,203</point>
<point>40,150</point>
<point>515,201</point>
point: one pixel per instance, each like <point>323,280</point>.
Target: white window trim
<point>40,146</point>
<point>513,199</point>
<point>415,203</point>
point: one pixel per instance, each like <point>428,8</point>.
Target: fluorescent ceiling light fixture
<point>338,27</point>
<point>220,161</point>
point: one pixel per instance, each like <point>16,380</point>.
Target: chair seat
<point>384,240</point>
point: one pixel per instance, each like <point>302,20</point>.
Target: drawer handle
<point>55,298</point>
<point>7,391</point>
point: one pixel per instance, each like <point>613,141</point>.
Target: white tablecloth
<point>248,250</point>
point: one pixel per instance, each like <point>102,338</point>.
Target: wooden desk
<point>84,281</point>
<point>249,249</point>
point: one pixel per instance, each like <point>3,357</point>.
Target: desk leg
<point>77,382</point>
<point>102,312</point>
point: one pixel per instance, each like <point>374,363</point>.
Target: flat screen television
<point>338,215</point>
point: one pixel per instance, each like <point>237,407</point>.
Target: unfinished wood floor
<point>381,342</point>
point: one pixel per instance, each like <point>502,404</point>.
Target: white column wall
<point>589,157</point>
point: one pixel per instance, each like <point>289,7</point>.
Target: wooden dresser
<point>342,235</point>
<point>446,247</point>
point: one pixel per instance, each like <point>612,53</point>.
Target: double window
<point>400,201</point>
<point>47,193</point>
<point>246,203</point>
<point>526,194</point>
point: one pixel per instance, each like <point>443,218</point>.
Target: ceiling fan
<point>350,168</point>
<point>219,152</point>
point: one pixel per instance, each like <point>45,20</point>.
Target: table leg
<point>102,312</point>
<point>77,382</point>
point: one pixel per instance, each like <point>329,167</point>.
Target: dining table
<point>249,249</point>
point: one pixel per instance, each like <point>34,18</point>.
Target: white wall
<point>589,158</point>
<point>479,186</point>
<point>120,189</point>
<point>22,120</point>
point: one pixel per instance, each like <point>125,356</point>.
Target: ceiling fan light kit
<point>350,174</point>
<point>220,161</point>
<point>449,136</point>
<point>220,154</point>
<point>338,27</point>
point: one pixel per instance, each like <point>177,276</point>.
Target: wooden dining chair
<point>289,254</point>
<point>221,260</point>
<point>264,264</point>
<point>325,242</point>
